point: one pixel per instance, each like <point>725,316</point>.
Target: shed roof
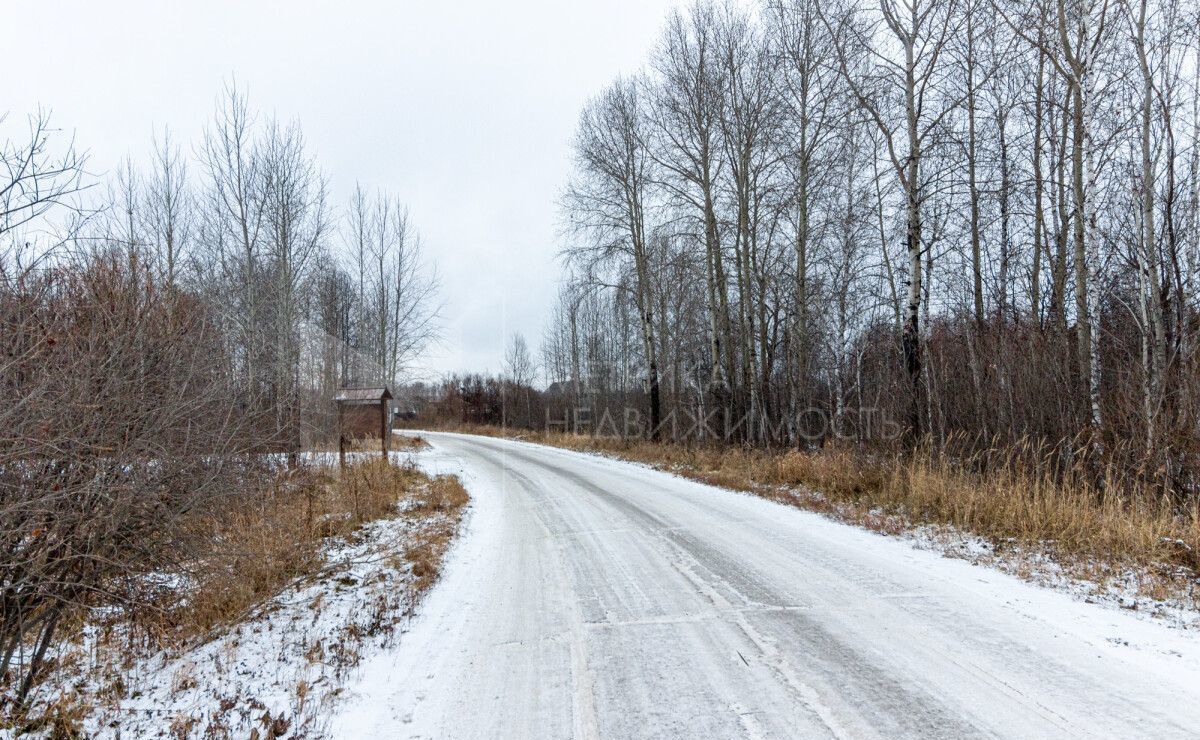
<point>362,395</point>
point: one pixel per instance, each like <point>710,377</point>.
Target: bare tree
<point>907,76</point>
<point>296,220</point>
<point>235,201</point>
<point>118,425</point>
<point>168,208</point>
<point>35,177</point>
<point>1000,129</point>
<point>809,92</point>
<point>685,114</point>
<point>398,309</point>
<point>751,124</point>
<point>138,394</point>
<point>608,202</point>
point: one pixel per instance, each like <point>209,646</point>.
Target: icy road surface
<point>595,598</point>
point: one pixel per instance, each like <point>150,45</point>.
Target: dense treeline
<point>509,399</point>
<point>161,332</point>
<point>897,219</point>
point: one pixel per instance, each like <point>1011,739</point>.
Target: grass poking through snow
<point>1118,536</point>
<point>258,638</point>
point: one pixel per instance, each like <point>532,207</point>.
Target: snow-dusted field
<point>594,598</point>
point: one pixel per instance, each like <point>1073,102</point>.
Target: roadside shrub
<point>116,428</point>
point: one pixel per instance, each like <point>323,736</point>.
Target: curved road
<point>594,598</point>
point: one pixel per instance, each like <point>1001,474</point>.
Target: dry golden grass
<point>264,542</point>
<point>1094,531</point>
<point>369,445</point>
<point>443,495</point>
<point>408,443</point>
<point>1117,524</point>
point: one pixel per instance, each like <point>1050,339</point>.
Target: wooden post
<point>341,438</point>
<point>383,427</point>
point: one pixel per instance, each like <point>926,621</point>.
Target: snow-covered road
<point>595,598</point>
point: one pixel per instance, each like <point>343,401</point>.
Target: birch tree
<point>904,96</point>
<point>608,202</point>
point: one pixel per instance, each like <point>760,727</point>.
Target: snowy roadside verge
<point>399,677</point>
<point>281,671</point>
<point>1126,589</point>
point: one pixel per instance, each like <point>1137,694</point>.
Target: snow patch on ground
<point>1123,589</point>
<point>1090,582</point>
<point>281,669</point>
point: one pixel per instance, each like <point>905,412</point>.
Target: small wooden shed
<point>363,412</point>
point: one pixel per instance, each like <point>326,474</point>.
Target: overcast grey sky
<point>465,110</point>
